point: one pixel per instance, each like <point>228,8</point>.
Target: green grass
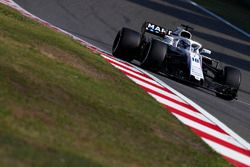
<point>236,12</point>
<point>61,105</point>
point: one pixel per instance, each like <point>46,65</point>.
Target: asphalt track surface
<point>97,21</point>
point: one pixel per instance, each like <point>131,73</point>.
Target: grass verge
<point>61,105</point>
<point>235,11</point>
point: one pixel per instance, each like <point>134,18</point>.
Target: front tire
<point>126,44</point>
<point>232,77</point>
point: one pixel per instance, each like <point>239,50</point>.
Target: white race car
<point>175,54</point>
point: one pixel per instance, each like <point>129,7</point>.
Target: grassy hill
<point>61,105</point>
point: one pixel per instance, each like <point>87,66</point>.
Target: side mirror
<point>206,51</point>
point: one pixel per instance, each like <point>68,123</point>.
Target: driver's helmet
<point>195,48</point>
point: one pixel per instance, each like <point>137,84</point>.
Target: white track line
<point>120,63</point>
<point>132,73</point>
<point>204,112</point>
<point>209,131</point>
<point>170,95</point>
<point>181,108</point>
<point>219,18</point>
<point>228,152</point>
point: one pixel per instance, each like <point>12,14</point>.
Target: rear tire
<point>154,55</point>
<point>126,44</point>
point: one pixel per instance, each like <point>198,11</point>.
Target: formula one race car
<point>175,54</point>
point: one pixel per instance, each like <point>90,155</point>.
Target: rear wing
<point>154,29</point>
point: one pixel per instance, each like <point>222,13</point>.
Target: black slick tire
<point>155,54</point>
<point>126,44</point>
<point>232,77</point>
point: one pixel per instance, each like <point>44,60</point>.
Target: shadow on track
<point>233,61</point>
<point>164,8</point>
<point>239,47</point>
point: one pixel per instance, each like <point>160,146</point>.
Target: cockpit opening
<point>186,34</point>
